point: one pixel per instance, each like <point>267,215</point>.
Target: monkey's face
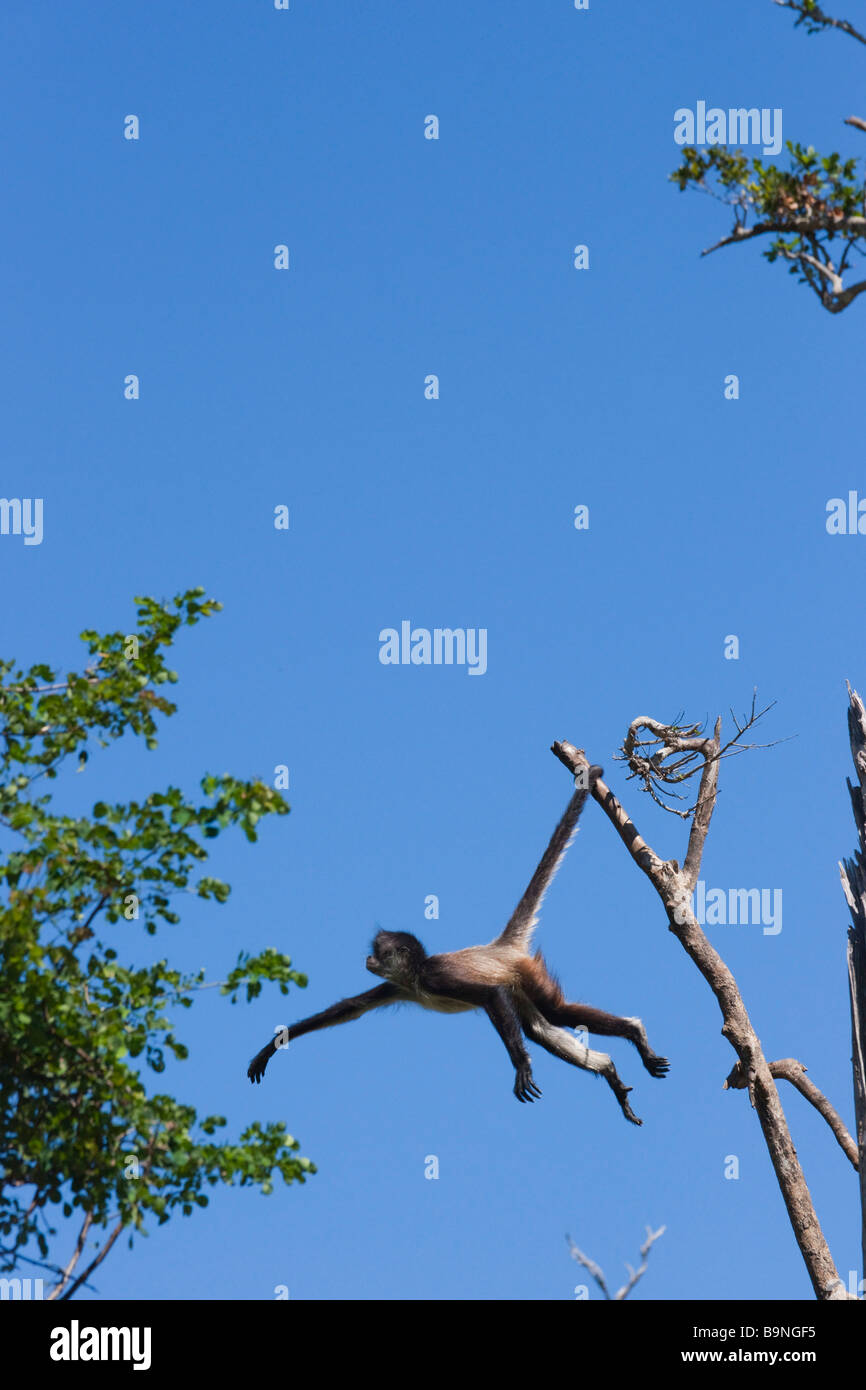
<point>396,956</point>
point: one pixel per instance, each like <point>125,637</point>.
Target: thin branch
<point>842,300</point>
<point>74,1258</point>
<point>703,811</point>
<point>806,224</point>
<point>589,1264</point>
<point>789,1069</point>
<point>825,268</point>
<point>85,927</point>
<point>657,773</point>
<point>634,1274</point>
<point>813,14</point>
<point>834,298</point>
<point>646,858</point>
<point>82,1278</point>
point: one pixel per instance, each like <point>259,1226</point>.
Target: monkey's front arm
<point>344,1011</point>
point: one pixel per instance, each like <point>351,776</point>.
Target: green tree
<point>78,1129</point>
<point>812,213</point>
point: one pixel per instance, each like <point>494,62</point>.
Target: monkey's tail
<point>523,921</point>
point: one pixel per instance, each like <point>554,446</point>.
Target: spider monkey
<point>516,990</point>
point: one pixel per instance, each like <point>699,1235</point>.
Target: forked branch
<point>674,886</point>
<point>634,1274</point>
<point>789,1069</point>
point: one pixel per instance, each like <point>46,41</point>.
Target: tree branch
<point>703,810</point>
<point>97,1260</point>
<point>672,888</point>
<point>74,1258</point>
<point>643,856</point>
<point>803,225</point>
<point>814,16</point>
<point>789,1069</point>
<point>634,1274</point>
<point>834,296</point>
<point>853,873</point>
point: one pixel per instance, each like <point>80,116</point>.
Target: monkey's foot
<point>621,1093</point>
<point>656,1066</point>
<point>524,1086</point>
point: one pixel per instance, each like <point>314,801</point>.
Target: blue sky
<point>558,387</point>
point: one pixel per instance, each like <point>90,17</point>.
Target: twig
<point>634,1274</point>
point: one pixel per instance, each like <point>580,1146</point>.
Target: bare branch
<point>634,1274</point>
<point>74,1258</point>
<point>673,890</point>
<point>643,856</point>
<point>589,1264</point>
<point>740,233</point>
<point>97,1260</point>
<point>854,886</point>
<point>691,748</point>
<point>804,224</point>
<point>789,1069</point>
<point>841,301</point>
<point>834,296</point>
<point>703,811</point>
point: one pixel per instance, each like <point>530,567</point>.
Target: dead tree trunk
<point>679,754</point>
<point>853,873</point>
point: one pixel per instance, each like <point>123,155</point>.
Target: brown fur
<point>518,992</point>
<point>537,982</point>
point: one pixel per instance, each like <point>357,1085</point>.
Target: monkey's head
<point>397,956</point>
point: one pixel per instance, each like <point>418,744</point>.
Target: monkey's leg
<point>566,1046</point>
<point>567,1015</point>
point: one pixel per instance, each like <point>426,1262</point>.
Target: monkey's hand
<point>524,1086</point>
<point>256,1068</point>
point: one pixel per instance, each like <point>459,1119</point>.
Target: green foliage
<point>804,209</point>
<point>814,186</point>
<point>78,1128</point>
